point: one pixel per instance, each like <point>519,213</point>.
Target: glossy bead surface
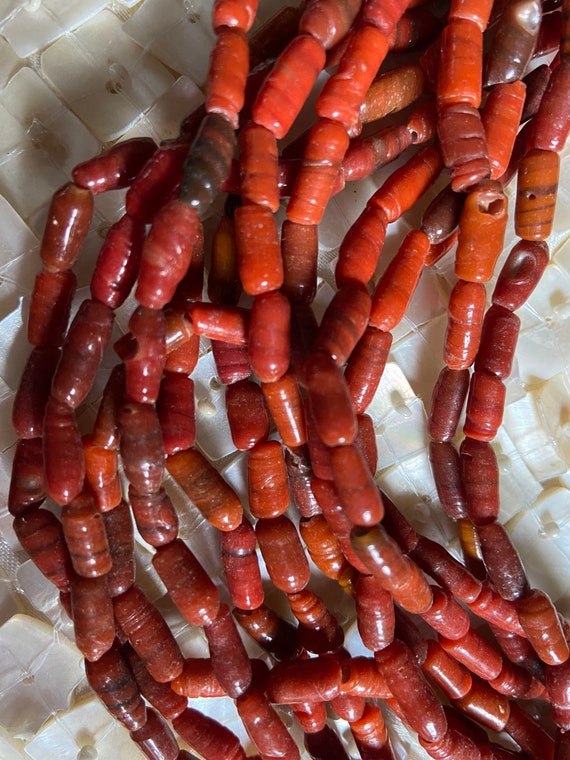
<point>27,483</point>
<point>481,480</point>
<point>101,474</point>
<point>269,336</point>
<point>361,247</point>
<point>542,626</point>
<point>241,566</point>
<point>283,553</point>
<point>319,632</point>
<point>271,632</point>
<point>283,399</point>
<point>142,450</point>
<point>119,525</point>
<point>175,409</point>
<point>459,72</point>
<point>452,678</point>
<point>50,306</point>
<point>299,252</point>
<point>208,737</point>
<point>302,680</point>
<point>485,405</point>
<point>247,414</point>
<point>68,221</point>
<point>449,395</point>
<point>514,41</point>
<point>144,356</point>
<point>268,489</point>
<point>230,660</point>
<point>334,417</point>
<point>520,274</point>
<point>264,726</point>
<point>366,366</point>
<point>374,613</point>
<point>33,392</point>
<point>501,117</point>
<point>446,570</point>
<point>466,307</point>
<point>155,516</point>
<point>41,536</point>
<point>206,488</point>
<point>92,613</point>
<point>344,322</point>
<point>475,653</point>
<point>155,739</point>
<point>355,486</point>
<point>446,616</point>
<point>113,682</point>
<point>259,256</point>
<point>227,74</point>
<point>85,536</point>
<point>220,323</point>
<point>463,146</point>
<point>116,167</point>
<point>64,462</point>
<point>552,123</point>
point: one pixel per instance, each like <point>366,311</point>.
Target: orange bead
<point>537,185</point>
<point>481,232</point>
<point>227,74</point>
<point>324,549</point>
<point>241,567</point>
<point>452,678</point>
<point>466,308</point>
<point>366,366</point>
<point>459,72</point>
<point>259,170</point>
<point>50,306</point>
<point>259,256</point>
<point>222,323</point>
<point>302,680</point>
<point>92,614</point>
<point>267,486</point>
<point>446,616</point>
<point>328,20</point>
<point>206,488</point>
<point>85,536</point>
<point>374,613</point>
<point>392,91</point>
<point>361,247</point>
<point>542,626</point>
<point>269,336</point>
<point>501,117</point>
<point>475,653</point>
<point>498,612</point>
<point>69,218</point>
<point>343,94</point>
<point>355,485</point>
<point>285,90</point>
<point>477,12</point>
<point>417,700</point>
<point>397,285</point>
<point>324,150</point>
<point>344,322</point>
<point>101,474</point>
<point>299,251</point>
<point>198,680</point>
<point>396,572</point>
<point>406,185</point>
<point>370,733</point>
<point>485,405</point>
<point>283,399</point>
<point>334,417</point>
<point>240,15</point>
<point>283,553</point>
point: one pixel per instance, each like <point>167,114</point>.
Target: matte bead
<point>69,218</point>
<point>227,74</point>
<point>299,252</point>
<point>155,516</point>
<point>232,362</point>
<point>264,726</point>
<point>349,707</point>
<point>502,561</point>
<point>86,341</point>
<point>116,167</point>
<point>113,682</point>
<point>319,452</point>
<point>361,677</point>
<point>367,154</point>
<point>481,480</point>
<point>50,306</point>
<point>501,117</point>
<point>187,582</point>
<point>463,145</point>
<point>344,322</point>
<point>259,255</point>
<point>206,488</point>
<point>241,567</point>
<point>542,626</point>
<point>92,613</point>
<point>304,680</point>
<point>283,399</point>
<point>155,739</point>
<point>416,698</point>
<point>142,450</point>
<point>392,91</point>
<point>361,247</point>
<point>208,737</point>
<point>537,185</point>
<point>230,660</point>
<point>459,72</point>
<point>366,366</point>
<point>148,634</point>
<point>248,417</point>
<point>85,536</point>
<point>283,553</point>
<point>268,489</point>
<point>259,171</point>
<point>175,409</point>
<point>446,570</point>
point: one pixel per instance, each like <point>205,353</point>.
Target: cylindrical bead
<point>145,355</point>
<point>501,117</point>
<point>92,613</point>
<point>116,167</point>
<point>446,616</point>
<point>542,626</point>
<point>344,322</point>
<point>155,516</point>
<point>272,633</point>
<point>68,221</point>
<point>241,566</point>
<point>101,474</point>
<point>449,395</point>
<point>463,145</point>
<point>264,726</point>
<point>283,399</point>
<point>304,680</point>
<point>113,682</point>
<point>269,336</point>
<point>485,405</point>
<point>208,737</point>
<point>481,480</point>
<point>335,421</point>
<point>227,74</point>
<point>155,739</point>
<point>466,308</point>
<point>142,450</point>
<point>41,536</point>
<point>355,485</point>
<point>452,678</point>
<point>374,613</point>
<point>551,124</point>
<point>50,306</point>
<point>537,186</point>
<point>230,660</point>
<point>259,255</point>
<point>27,483</point>
<point>366,366</point>
<point>85,536</point>
<point>299,252</point>
<point>459,72</point>
<point>175,409</point>
<point>119,525</point>
<point>247,414</point>
<point>283,553</point>
<point>520,274</point>
<point>267,485</point>
<point>513,42</point>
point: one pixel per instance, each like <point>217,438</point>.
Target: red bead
<point>537,186</point>
<point>259,256</point>
<point>92,613</point>
<point>361,247</point>
<point>335,421</point>
<point>374,613</point>
<point>27,483</point>
<point>366,366</point>
<point>463,145</point>
<point>551,124</point>
<point>247,414</point>
<point>475,653</point>
<point>221,323</point>
<point>241,567</point>
<point>485,706</point>
<point>302,680</point>
<point>68,221</point>
<point>227,74</point>
<point>344,322</point>
<point>452,745</point>
<point>113,682</point>
<point>447,402</point>
<point>119,525</point>
<point>208,737</point>
<point>328,21</point>
<point>300,474</point>
<point>466,307</point>
<point>142,450</point>
<point>63,453</point>
<point>240,15</point>
<point>264,726</point>
<point>144,356</point>
<point>155,516</point>
<point>106,426</point>
<point>299,252</point>
<point>33,392</point>
<point>50,306</point>
<point>230,661</point>
<point>157,182</point>
<point>520,274</point>
<point>557,684</point>
<point>272,633</point>
<point>268,489</point>
<point>269,336</point>
<point>446,570</point>
<point>481,480</point>
<point>175,409</point>
<point>319,632</point>
<point>85,536</point>
<point>481,232</point>
<point>283,399</point>
<point>101,474</point>
<point>41,536</point>
<point>259,170</point>
<point>542,626</point>
<point>501,117</point>
<point>148,634</point>
<point>485,404</point>
<point>325,550</point>
<point>514,40</point>
<point>446,616</point>
<point>459,72</point>
<point>155,739</point>
<point>116,167</point>
<point>283,553</point>
<point>355,485</point>
<point>452,678</point>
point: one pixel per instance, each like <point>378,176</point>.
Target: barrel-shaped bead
<point>69,217</point>
<point>92,614</point>
<point>113,682</point>
<point>227,74</point>
<point>466,308</point>
<point>50,306</point>
<point>230,660</point>
<point>85,536</point>
<point>334,417</point>
<point>142,449</point>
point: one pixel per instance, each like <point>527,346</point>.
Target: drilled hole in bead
<point>215,384</point>
<point>530,196</point>
<point>493,208</point>
<point>413,136</point>
<point>206,408</point>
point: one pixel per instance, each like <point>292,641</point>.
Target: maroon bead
<point>230,660</point>
<point>481,479</point>
<point>50,306</point>
<point>283,553</point>
<point>241,567</point>
<point>113,682</point>
<point>119,527</point>
<point>447,402</point>
<point>155,739</point>
<point>208,737</point>
<point>175,409</point>
<point>63,453</point>
<point>33,392</point>
<point>86,539</point>
<point>498,342</point>
<point>142,450</point>
<point>68,221</point>
<point>247,413</point>
<point>41,536</point>
<point>118,262</point>
<point>155,516</point>
<point>116,167</point>
<point>92,613</point>
<point>144,354</point>
<point>27,484</point>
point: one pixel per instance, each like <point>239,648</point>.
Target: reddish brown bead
<point>155,516</point>
<point>68,221</point>
<point>206,488</point>
<point>498,342</point>
<point>283,553</point>
<point>551,124</point>
<point>529,735</point>
<point>299,251</point>
<point>502,561</point>
<point>264,726</point>
<point>41,536</point>
<point>520,274</point>
<point>198,680</point>
<point>485,405</point>
<point>319,631</point>
<point>361,677</point>
<point>452,745</point>
<point>518,683</point>
<point>325,550</point>
<point>148,634</point>
<point>155,739</point>
<point>416,698</point>
<point>374,613</point>
<point>300,474</point>
<point>542,626</point>
<point>396,572</point>
<point>63,453</point>
<point>485,706</point>
<point>142,450</point>
<point>335,421</point>
<point>466,307</point>
<point>143,351</point>
<point>175,409</point>
<point>241,566</point>
<point>230,661</point>
<point>157,181</point>
<point>361,247</point>
<point>481,480</point>
<point>87,339</point>
<point>50,306</point>
<point>475,653</point>
<point>463,145</point>
<point>324,743</point>
<point>513,42</point>
<point>366,365</point>
<point>319,452</point>
<point>355,485</point>
<point>187,582</point>
<point>557,684</point>
<point>304,680</point>
<point>208,737</point>
<point>259,171</point>
<point>106,426</point>
<point>113,682</point>
<point>284,402</point>
<point>446,570</point>
<point>268,489</point>
<point>116,167</point>
<point>232,362</point>
<point>85,536</point>
<point>33,392</point>
<point>259,256</point>
<point>447,402</point>
<point>27,484</point>
<point>92,613</point>
<point>441,217</point>
<point>344,322</point>
<point>247,414</point>
<point>271,632</point>
<point>101,474</point>
<point>446,616</point>
<point>537,186</point>
<point>119,526</point>
<point>223,281</point>
<point>452,678</point>
<point>499,612</point>
<point>328,22</point>
<point>220,323</point>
